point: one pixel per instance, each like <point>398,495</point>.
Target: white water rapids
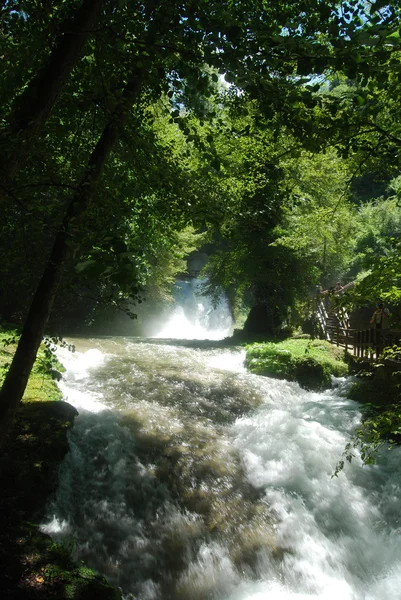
<point>190,479</point>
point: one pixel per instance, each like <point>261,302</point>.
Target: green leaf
<point>82,266</point>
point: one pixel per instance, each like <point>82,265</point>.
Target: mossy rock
<point>311,374</point>
<point>84,584</point>
<point>309,362</point>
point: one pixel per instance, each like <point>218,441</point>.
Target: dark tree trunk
<point>260,320</point>
<point>17,377</point>
<point>33,107</point>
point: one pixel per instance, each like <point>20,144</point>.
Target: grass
<point>310,362</point>
<point>33,566</point>
<point>41,385</point>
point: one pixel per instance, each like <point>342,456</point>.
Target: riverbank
<point>33,566</point>
<point>377,388</point>
<point>309,362</point>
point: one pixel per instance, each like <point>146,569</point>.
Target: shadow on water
<point>220,401</point>
<point>206,480</point>
<point>141,505</point>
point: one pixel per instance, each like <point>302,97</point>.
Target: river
<point>190,479</point>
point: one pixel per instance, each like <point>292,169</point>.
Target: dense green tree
<point>269,52</point>
<point>320,222</point>
<point>32,107</point>
<point>287,226</point>
<point>379,224</point>
<point>381,283</point>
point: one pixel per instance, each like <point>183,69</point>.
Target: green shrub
<point>310,362</point>
<point>312,375</point>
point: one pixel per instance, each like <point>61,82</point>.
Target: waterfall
<point>194,317</point>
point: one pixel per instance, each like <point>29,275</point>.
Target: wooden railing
<point>325,313</point>
<point>343,337</point>
<point>322,317</point>
<point>333,319</point>
<point>365,343</point>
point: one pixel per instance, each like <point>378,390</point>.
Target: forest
<point>135,135</point>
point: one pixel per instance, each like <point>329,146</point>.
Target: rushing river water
<point>190,479</point>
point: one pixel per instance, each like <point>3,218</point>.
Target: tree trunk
<point>260,320</point>
<point>17,377</point>
<point>33,107</point>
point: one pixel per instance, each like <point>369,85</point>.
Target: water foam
<point>193,316</point>
<point>334,538</point>
<point>233,362</point>
<point>73,384</point>
<point>335,532</point>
